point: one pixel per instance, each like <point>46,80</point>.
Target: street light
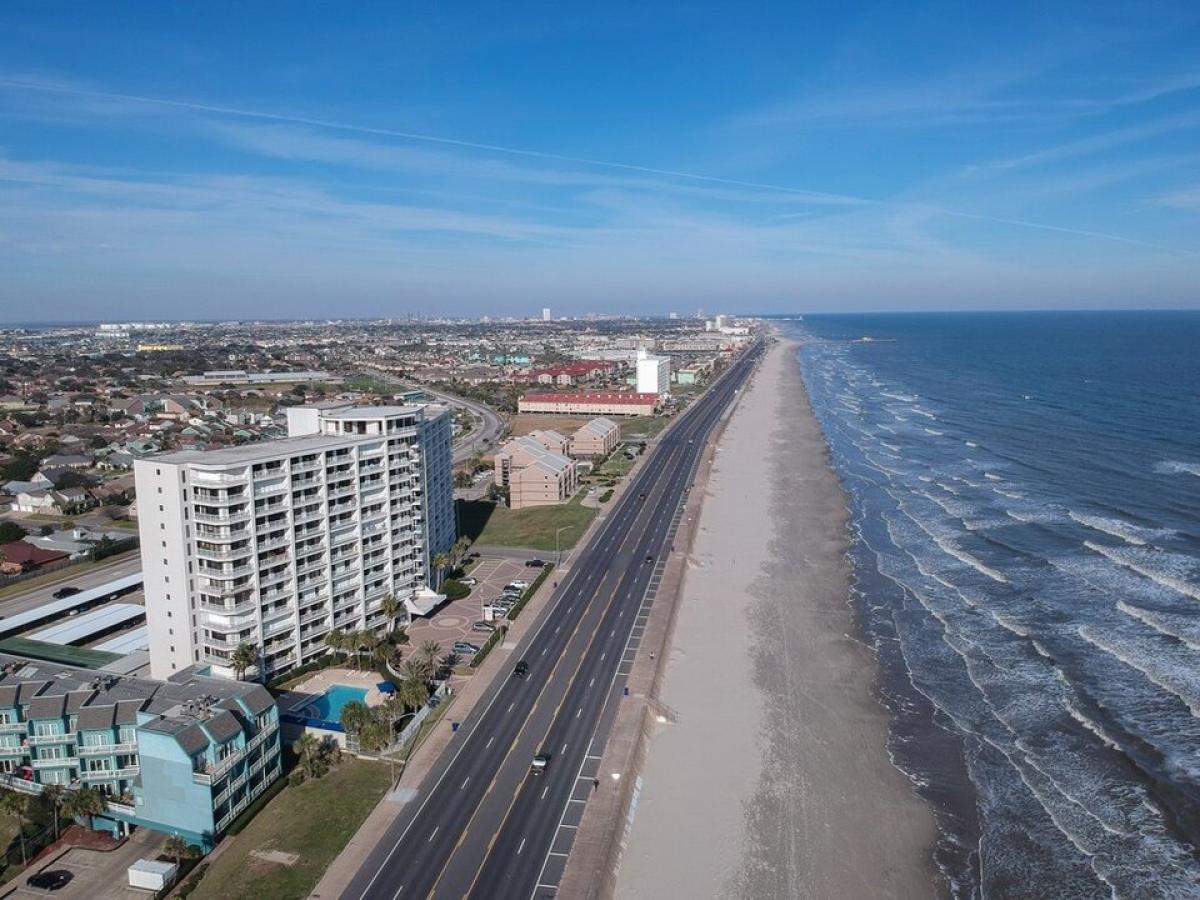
<point>557,553</point>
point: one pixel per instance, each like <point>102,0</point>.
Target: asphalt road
<point>481,825</point>
<point>28,599</point>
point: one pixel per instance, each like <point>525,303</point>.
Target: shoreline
<point>774,778</point>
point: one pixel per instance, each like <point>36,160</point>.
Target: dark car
<point>649,558</point>
<point>521,669</point>
<point>642,496</point>
<point>53,880</point>
<point>535,563</point>
<point>66,592</point>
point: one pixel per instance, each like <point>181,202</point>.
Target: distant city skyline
<point>166,162</point>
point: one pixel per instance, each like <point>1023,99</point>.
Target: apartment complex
<point>653,374</point>
<point>183,756</point>
<point>536,470</point>
<point>598,437</point>
<point>591,403</point>
<point>280,542</point>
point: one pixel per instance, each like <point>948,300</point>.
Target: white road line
<point>433,835</point>
<point>522,847</point>
<point>465,780</point>
<point>578,711</point>
<point>592,682</point>
<point>555,853</point>
<point>492,738</point>
<point>510,709</point>
<point>545,790</point>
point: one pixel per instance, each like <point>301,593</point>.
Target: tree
<point>354,716</point>
<point>430,650</point>
<point>244,656</point>
<point>178,847</point>
<point>336,640</point>
<point>84,803</point>
<point>375,735</point>
<point>391,608</point>
<point>52,795</point>
<point>419,667</point>
<point>440,561</point>
<point>413,693</point>
<point>10,531</point>
<point>460,550</point>
<point>16,804</point>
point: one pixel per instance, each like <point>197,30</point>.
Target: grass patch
<point>489,524</point>
<point>314,820</point>
<point>643,427</point>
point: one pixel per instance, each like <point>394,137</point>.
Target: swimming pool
<point>328,706</point>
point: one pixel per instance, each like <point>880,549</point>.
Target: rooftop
<point>261,451</point>
<point>631,397</point>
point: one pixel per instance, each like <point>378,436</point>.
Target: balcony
<point>41,740</point>
<point>226,518</point>
<point>20,784</point>
<point>205,478</point>
<point>60,763</point>
<point>109,774</point>
<point>106,749</point>
<point>272,542</point>
<point>226,574</point>
<point>270,490</point>
<point>223,553</point>
<point>229,610</point>
<point>13,727</point>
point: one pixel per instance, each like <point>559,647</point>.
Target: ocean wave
<point>903,398</point>
<point>1010,624</point>
<point>950,547</point>
<point>934,432</point>
<point>923,412</point>
<point>1126,531</point>
<point>970,443</point>
<point>1151,665</point>
<point>1176,467</point>
<point>1091,725</point>
<point>1161,624</point>
<point>991,476</point>
<point>1011,495</point>
<point>1138,564</point>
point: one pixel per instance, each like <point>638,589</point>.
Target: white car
<point>517,585</point>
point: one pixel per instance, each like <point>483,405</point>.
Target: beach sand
<point>773,779</point>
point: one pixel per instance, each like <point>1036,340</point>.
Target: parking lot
<point>95,874</point>
<point>453,621</point>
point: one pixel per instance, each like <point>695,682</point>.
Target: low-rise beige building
<point>536,470</point>
<point>598,437</point>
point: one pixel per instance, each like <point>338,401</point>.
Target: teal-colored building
<point>184,756</point>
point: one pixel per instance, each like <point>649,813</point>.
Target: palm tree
<point>439,562</point>
<point>354,716</point>
<point>336,640</point>
<point>376,734</point>
<point>84,803</point>
<point>391,608</point>
<point>53,795</point>
<point>430,650</point>
<point>413,693</point>
<point>244,656</point>
<point>179,848</point>
<point>16,804</point>
<point>417,667</point>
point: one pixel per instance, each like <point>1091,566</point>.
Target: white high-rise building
<point>653,374</point>
<point>545,314</point>
<point>278,543</point>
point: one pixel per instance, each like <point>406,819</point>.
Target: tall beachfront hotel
<point>278,543</point>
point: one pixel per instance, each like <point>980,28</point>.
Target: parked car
<point>483,626</point>
<point>67,591</point>
<point>534,563</point>
<point>53,880</point>
<point>469,582</point>
<point>465,648</point>
<point>517,585</point>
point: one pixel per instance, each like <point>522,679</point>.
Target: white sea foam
<point>1010,624</point>
<point>950,547</point>
<point>1011,495</point>
<point>1075,713</point>
<point>990,476</point>
<point>1159,623</point>
<point>1138,564</point>
<point>1120,528</point>
<point>971,444</point>
<point>923,412</point>
<point>1151,666</point>
<point>903,398</point>
<point>1177,467</point>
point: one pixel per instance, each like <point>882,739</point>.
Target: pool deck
<point>309,689</point>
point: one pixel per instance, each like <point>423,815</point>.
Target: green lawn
<point>498,526</point>
<point>314,820</point>
<point>642,428</point>
<point>616,466</point>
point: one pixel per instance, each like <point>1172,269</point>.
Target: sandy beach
<point>772,778</point>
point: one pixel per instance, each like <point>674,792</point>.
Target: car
<point>540,763</point>
<point>521,669</point>
<point>53,880</point>
<point>465,648</point>
<point>534,563</point>
<point>469,582</point>
<point>649,558</point>
<point>517,585</point>
<point>642,495</point>
<point>67,591</point>
<point>483,626</point>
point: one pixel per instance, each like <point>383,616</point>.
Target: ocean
<point>1025,502</point>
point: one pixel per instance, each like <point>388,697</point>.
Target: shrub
<point>455,589</point>
<point>193,880</point>
<point>529,592</point>
<point>606,496</point>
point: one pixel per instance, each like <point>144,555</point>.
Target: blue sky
<point>218,160</point>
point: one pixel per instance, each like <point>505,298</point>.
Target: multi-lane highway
<point>482,825</point>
